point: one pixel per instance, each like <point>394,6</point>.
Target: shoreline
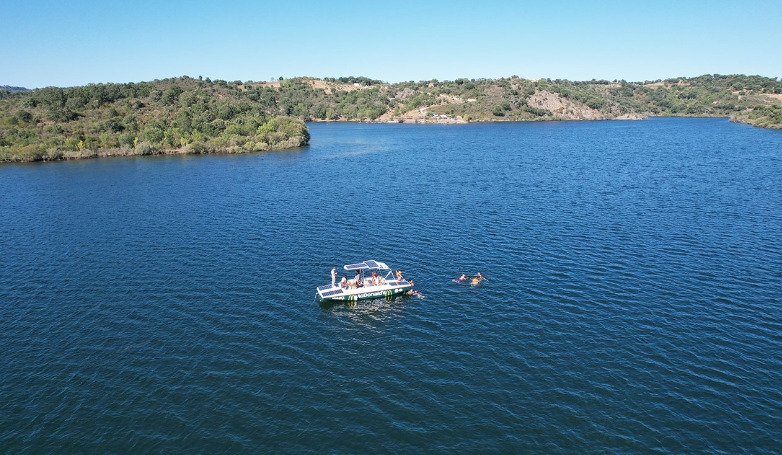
<point>441,122</point>
<point>120,153</point>
<point>126,153</point>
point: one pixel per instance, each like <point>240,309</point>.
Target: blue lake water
<point>634,301</point>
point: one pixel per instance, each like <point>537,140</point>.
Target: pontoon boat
<point>372,280</point>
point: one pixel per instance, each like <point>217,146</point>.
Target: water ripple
<point>166,304</point>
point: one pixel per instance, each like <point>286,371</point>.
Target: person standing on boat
<point>358,279</point>
<point>333,276</point>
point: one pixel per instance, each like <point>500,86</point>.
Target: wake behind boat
<point>372,280</point>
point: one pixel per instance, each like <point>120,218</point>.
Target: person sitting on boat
<point>374,279</point>
<point>344,282</point>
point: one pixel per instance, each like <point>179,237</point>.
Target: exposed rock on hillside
<point>563,108</point>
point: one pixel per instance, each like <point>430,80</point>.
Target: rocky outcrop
<point>563,108</point>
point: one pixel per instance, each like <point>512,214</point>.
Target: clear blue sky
<point>76,42</point>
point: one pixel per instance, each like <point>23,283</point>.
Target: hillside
<point>751,99</point>
<point>181,115</point>
<point>187,115</point>
<point>8,88</point>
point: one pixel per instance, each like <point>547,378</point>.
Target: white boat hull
<point>336,293</point>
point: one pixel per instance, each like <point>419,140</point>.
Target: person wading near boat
<point>478,278</point>
<point>333,276</point>
<point>412,291</point>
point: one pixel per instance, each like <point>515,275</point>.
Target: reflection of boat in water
<point>381,283</point>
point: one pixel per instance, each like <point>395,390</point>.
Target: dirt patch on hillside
<point>420,115</point>
<point>334,86</point>
<point>330,87</point>
<point>562,107</point>
<point>275,84</point>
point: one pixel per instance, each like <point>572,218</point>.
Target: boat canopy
<point>367,265</point>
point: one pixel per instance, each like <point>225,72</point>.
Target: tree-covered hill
<point>752,99</point>
<point>187,115</point>
<point>181,115</point>
<point>8,88</point>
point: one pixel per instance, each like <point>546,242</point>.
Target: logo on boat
<point>386,293</point>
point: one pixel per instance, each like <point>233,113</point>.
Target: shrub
<point>144,148</point>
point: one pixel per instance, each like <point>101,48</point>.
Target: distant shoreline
<point>203,116</point>
<point>440,122</point>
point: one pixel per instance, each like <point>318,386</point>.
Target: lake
<point>633,301</point>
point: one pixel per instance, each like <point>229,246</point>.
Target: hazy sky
<point>76,42</point>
